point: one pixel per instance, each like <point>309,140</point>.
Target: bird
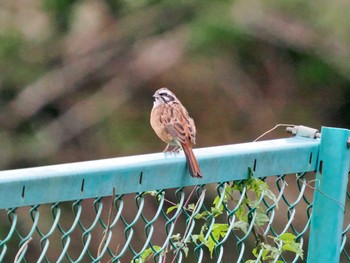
<point>173,125</point>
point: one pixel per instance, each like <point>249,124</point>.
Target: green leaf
<point>218,208</point>
<point>261,219</point>
<point>185,250</point>
<point>210,244</point>
<point>219,230</point>
<point>289,244</point>
<point>294,247</point>
<point>152,193</point>
<point>216,201</point>
<point>236,187</point>
<point>171,208</point>
<point>287,237</point>
<point>253,203</point>
<point>216,211</point>
<point>271,195</point>
<point>241,225</point>
<point>195,238</point>
<point>266,254</point>
<point>241,214</point>
<point>148,253</point>
<point>176,237</point>
<point>255,252</point>
<point>202,215</point>
<point>191,207</point>
<point>273,252</point>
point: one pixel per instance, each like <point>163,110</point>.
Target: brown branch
<point>191,218</point>
<point>24,246</point>
<point>108,226</point>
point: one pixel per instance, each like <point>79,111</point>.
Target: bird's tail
<point>192,161</point>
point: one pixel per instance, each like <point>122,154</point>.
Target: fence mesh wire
<point>166,225</point>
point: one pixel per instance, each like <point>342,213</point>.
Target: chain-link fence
<point>254,216</point>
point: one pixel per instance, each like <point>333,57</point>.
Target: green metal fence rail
<point>147,207</point>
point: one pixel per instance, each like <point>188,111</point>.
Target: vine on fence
<point>247,214</point>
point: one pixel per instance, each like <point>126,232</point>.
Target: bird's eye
<point>166,96</point>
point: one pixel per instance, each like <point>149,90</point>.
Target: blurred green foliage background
<point>77,77</point>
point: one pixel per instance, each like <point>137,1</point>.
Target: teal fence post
<point>329,201</point>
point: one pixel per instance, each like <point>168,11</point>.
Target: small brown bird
<point>173,125</point>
